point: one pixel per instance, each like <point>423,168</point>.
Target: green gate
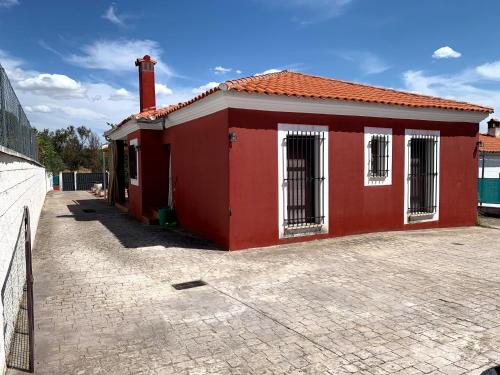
<point>489,190</point>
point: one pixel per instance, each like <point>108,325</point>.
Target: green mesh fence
<point>489,190</point>
<point>16,132</point>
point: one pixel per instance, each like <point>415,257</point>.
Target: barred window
<point>133,167</point>
<point>132,160</point>
<point>303,172</point>
<point>378,156</point>
<point>422,179</point>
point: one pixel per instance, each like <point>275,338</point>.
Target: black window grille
<point>379,156</point>
<point>422,174</point>
<point>132,161</point>
<point>304,179</point>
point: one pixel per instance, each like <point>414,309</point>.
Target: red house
<point>288,156</point>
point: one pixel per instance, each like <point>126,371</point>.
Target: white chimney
<point>494,127</point>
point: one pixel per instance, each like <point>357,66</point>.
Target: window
<point>422,171</point>
<point>132,162</point>
<point>378,156</point>
<point>303,173</point>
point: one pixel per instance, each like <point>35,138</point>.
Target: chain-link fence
<point>17,301</point>
<point>16,132</point>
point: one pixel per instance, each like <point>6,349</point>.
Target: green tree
<point>47,154</point>
<point>77,147</point>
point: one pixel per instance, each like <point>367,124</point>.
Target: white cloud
<point>490,70</point>
<point>268,71</point>
<point>122,94</point>
<point>118,56</point>
<point>42,108</point>
<point>221,70</point>
<point>203,88</point>
<point>464,86</point>
<point>112,16</point>
<point>368,62</point>
<point>8,3</point>
<point>55,85</point>
<point>311,11</point>
<point>162,89</point>
<point>12,66</point>
<point>55,100</point>
<point>238,71</point>
<point>446,53</point>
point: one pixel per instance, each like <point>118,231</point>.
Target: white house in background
<point>489,165</point>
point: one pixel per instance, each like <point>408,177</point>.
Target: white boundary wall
<point>23,182</point>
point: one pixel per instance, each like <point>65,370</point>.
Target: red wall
<point>152,192</point>
<point>353,208</point>
<point>200,175</point>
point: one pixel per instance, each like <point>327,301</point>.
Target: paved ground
<point>407,303</point>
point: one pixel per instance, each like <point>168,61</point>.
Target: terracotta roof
<point>295,84</point>
<point>490,143</point>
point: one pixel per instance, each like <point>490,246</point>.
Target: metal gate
<point>84,181</point>
<point>17,300</point>
<point>68,180</point>
<point>489,191</point>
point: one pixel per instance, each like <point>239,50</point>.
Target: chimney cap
<point>494,122</point>
<point>146,58</point>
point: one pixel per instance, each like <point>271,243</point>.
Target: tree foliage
<point>71,148</point>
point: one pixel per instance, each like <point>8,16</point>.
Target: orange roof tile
<point>490,143</point>
<point>295,84</point>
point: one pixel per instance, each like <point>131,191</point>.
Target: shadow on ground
<point>131,233</point>
<point>489,211</point>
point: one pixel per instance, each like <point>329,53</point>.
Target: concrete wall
<point>22,183</point>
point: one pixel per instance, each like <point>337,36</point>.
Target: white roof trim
<point>131,126</point>
<point>221,100</point>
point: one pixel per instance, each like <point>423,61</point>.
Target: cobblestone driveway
<point>407,303</point>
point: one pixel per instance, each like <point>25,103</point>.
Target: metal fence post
<point>61,186</point>
<point>29,291</point>
<point>2,107</point>
<point>74,179</point>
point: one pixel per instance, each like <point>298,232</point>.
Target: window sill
<point>378,181</point>
<point>304,230</point>
<point>418,218</point>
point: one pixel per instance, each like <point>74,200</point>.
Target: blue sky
<point>72,62</point>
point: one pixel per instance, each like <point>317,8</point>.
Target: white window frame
<point>409,134</point>
<point>283,130</point>
<point>377,181</point>
<point>134,142</point>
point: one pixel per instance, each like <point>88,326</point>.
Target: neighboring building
<point>489,165</point>
<point>288,157</point>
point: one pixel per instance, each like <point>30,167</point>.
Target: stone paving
<point>420,302</point>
